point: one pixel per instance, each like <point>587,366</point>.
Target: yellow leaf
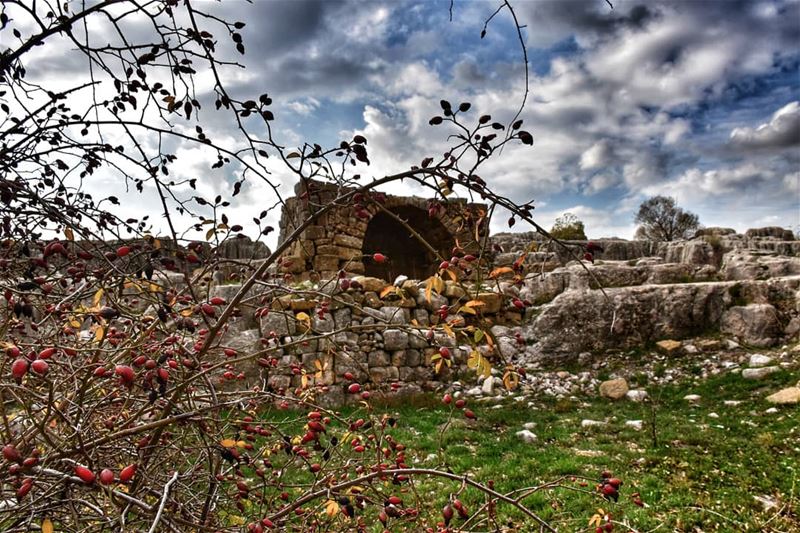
<point>318,364</point>
<point>187,312</point>
<point>331,508</point>
<point>595,520</point>
<point>97,296</point>
<point>438,284</point>
<point>68,234</point>
<point>452,274</point>
<point>156,244</point>
<point>74,322</point>
<point>227,443</point>
<point>438,366</point>
<point>47,526</point>
<point>210,233</point>
<point>497,272</point>
<point>447,329</point>
<point>388,290</point>
<point>475,303</point>
<point>479,334</point>
<point>99,333</point>
<point>468,310</point>
<point>533,246</point>
<point>510,380</point>
<point>241,444</point>
<point>304,381</point>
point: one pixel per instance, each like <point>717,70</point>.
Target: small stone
<point>592,423</point>
<point>709,345</point>
<point>614,388</point>
<point>563,374</point>
<point>474,391</point>
<point>758,360</point>
<point>690,349</point>
<point>527,436</point>
<point>771,410</point>
<point>759,373</point>
<point>767,503</point>
<point>787,396</point>
<point>668,347</point>
<point>713,415</point>
<point>692,398</point>
<point>732,403</point>
<point>487,387</point>
<point>634,424</point>
<point>529,425</point>
<point>636,395</point>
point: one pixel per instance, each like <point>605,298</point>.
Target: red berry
<point>106,476</point>
<point>461,403</point>
<point>379,257</point>
<point>125,373</point>
<point>446,399</point>
<point>127,473</point>
<point>208,310</point>
<point>348,376</point>
<point>86,475</point>
<point>19,368</point>
<point>444,352</point>
<point>47,353</point>
<point>230,352</point>
<point>615,482</point>
<point>470,414</point>
<point>354,388</point>
<point>444,265</point>
<point>122,251</point>
<point>40,367</point>
<point>216,300</point>
<point>11,454</point>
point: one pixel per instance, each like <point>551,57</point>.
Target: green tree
<point>660,219</point>
<point>568,227</point>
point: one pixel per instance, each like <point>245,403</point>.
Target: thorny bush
<point>114,416</point>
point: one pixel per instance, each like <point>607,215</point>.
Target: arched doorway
<point>407,255</point>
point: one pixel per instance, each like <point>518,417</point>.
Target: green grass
<point>702,473</point>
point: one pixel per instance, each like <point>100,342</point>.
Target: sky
<point>698,100</point>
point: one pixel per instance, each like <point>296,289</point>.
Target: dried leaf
<point>97,297</point>
<point>47,526</point>
<point>331,508</point>
<point>497,272</point>
<point>69,234</point>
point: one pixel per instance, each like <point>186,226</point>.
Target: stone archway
<point>407,255</point>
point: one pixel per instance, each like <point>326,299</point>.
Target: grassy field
<point>695,471</point>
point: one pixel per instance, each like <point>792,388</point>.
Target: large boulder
<point>771,231</point>
<point>753,324</point>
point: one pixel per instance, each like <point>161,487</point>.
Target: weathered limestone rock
<point>758,360</point>
<point>759,373</point>
<point>614,388</point>
<point>754,324</point>
<point>787,396</point>
<point>709,345</point>
<point>395,339</point>
<point>371,284</point>
<point>669,347</point>
<point>492,302</point>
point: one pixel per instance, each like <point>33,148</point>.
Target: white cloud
<point>781,131</point>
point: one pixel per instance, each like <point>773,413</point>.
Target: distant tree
<point>660,219</point>
<point>568,227</point>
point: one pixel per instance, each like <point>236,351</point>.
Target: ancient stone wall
<point>345,238</point>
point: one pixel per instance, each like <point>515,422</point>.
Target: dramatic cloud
<point>695,99</point>
<point>782,131</point>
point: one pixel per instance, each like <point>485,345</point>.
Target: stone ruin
<point>342,240</point>
<point>744,288</point>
